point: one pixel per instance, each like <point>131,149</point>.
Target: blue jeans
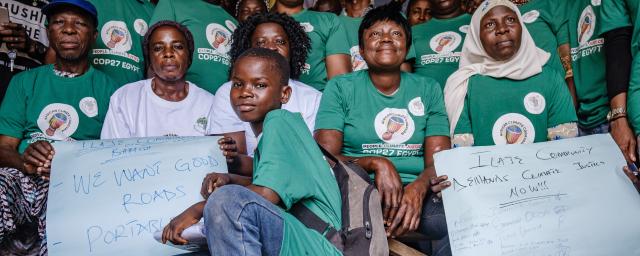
<point>600,129</point>
<point>241,222</point>
<point>433,224</point>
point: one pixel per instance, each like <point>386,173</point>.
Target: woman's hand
<point>439,183</point>
<point>229,148</point>
<point>388,183</point>
<point>37,159</point>
<point>173,231</point>
<point>213,181</point>
<point>408,216</point>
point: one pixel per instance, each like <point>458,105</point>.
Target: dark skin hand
<point>632,177</point>
<point>37,159</point>
<point>15,36</point>
<point>234,149</point>
<point>621,131</point>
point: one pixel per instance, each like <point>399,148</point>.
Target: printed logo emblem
<point>534,103</point>
<point>115,35</point>
<point>586,25</point>
<point>89,106</point>
<point>307,27</point>
<point>219,38</point>
<point>357,62</point>
<point>445,42</point>
<point>530,16</point>
<point>464,29</point>
<point>394,126</point>
<point>230,25</point>
<point>58,121</point>
<point>140,26</point>
<point>416,107</point>
<point>201,125</point>
<point>513,128</point>
<point>596,2</point>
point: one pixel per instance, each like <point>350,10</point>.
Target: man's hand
<point>173,231</point>
<point>15,36</point>
<point>37,159</point>
<point>213,181</point>
<point>229,148</point>
<point>623,136</point>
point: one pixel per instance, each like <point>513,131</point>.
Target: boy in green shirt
<point>211,27</point>
<point>329,55</point>
<point>289,169</point>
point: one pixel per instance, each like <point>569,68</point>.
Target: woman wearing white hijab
<point>502,94</point>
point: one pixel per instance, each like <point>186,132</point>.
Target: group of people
<point>375,85</point>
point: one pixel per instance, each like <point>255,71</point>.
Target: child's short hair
<point>277,61</point>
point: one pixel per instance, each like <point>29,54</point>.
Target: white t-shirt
<point>304,100</point>
<point>136,111</point>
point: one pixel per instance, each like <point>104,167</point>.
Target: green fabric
<point>524,112</point>
<point>40,105</point>
<point>206,22</point>
<point>351,25</point>
<point>546,21</point>
<point>621,13</point>
<point>633,96</point>
<point>374,124</point>
<point>328,37</point>
<point>438,45</point>
<point>290,163</point>
<point>588,62</point>
<point>122,59</point>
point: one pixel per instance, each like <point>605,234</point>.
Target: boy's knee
<point>225,199</point>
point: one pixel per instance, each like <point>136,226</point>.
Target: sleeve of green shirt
<point>163,11</point>
<point>337,42</point>
<point>561,109</point>
<point>13,110</point>
<point>560,21</point>
<point>437,120</point>
<point>614,14</point>
<point>464,122</point>
<point>332,111</point>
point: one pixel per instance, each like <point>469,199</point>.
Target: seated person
<point>391,123</point>
<point>284,35</point>
<point>253,218</point>
<point>418,11</point>
<point>501,61</point>
<point>64,101</point>
<point>247,8</point>
<point>167,104</point>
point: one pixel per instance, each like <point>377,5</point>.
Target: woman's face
<point>443,7</point>
<point>271,36</point>
<point>419,12</point>
<point>500,33</point>
<point>250,7</point>
<point>385,45</point>
<point>168,53</point>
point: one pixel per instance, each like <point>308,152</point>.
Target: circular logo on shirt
<point>513,128</point>
<point>357,62</point>
<point>307,27</point>
<point>596,2</point>
<point>530,16</point>
<point>230,25</point>
<point>58,121</point>
<point>115,35</point>
<point>140,26</point>
<point>89,106</point>
<point>416,107</point>
<point>219,38</point>
<point>445,42</point>
<point>586,25</point>
<point>464,29</point>
<point>394,126</point>
<point>534,103</point>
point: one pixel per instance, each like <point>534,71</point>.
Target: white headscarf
<point>527,62</point>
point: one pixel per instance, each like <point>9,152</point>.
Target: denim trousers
<point>433,225</point>
<point>600,129</point>
<point>240,222</point>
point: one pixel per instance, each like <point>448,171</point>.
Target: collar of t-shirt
<point>165,103</point>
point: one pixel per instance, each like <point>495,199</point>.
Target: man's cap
<point>82,4</point>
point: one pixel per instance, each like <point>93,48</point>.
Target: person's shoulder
<point>304,89</point>
<point>424,81</point>
<point>133,89</point>
<point>282,118</point>
<point>224,89</point>
<point>324,17</point>
<point>195,89</point>
<point>32,73</point>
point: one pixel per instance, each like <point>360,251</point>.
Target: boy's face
<point>256,89</point>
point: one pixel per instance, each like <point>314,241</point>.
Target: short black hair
<point>299,42</point>
<point>389,12</point>
<point>169,23</point>
<point>277,61</point>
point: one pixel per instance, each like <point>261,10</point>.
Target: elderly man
<point>66,101</point>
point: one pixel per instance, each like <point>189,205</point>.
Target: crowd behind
<point>385,85</point>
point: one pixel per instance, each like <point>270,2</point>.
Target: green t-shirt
<point>588,62</point>
<point>438,45</point>
<point>118,49</point>
<point>40,105</point>
<point>621,13</point>
<point>289,162</point>
<point>351,25</point>
<point>546,21</point>
<point>328,37</point>
<point>522,115</point>
<point>374,124</point>
<point>211,27</point>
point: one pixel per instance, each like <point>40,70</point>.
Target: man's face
<point>71,34</point>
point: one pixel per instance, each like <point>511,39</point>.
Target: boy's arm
<point>267,193</point>
<point>189,217</point>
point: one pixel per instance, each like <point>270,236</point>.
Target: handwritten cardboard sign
<point>108,197</point>
<point>567,197</point>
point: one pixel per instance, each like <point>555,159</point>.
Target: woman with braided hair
<point>284,35</point>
